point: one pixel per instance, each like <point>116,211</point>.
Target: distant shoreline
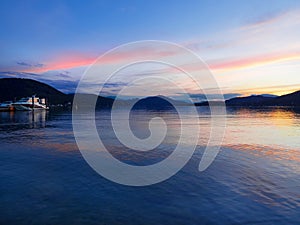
<point>16,88</point>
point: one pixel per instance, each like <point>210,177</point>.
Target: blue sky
<point>253,41</point>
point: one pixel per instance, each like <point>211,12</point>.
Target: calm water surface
<point>255,179</point>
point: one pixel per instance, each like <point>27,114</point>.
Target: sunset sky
<point>252,47</point>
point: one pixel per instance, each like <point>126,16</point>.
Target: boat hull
<point>29,107</point>
<point>7,109</point>
<point>22,108</point>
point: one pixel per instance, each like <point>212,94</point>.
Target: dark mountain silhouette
<point>156,103</point>
<point>289,100</point>
<point>205,103</point>
<point>16,88</point>
<point>269,95</point>
<point>257,100</point>
<point>292,99</point>
<point>84,101</point>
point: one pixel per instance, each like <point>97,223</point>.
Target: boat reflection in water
<point>15,120</point>
<point>7,106</point>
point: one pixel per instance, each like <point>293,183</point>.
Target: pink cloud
<point>77,60</point>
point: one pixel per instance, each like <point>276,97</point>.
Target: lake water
<point>255,179</point>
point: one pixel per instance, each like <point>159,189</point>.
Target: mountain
<point>269,95</point>
<point>85,100</point>
<point>16,88</point>
<point>216,103</point>
<point>292,99</point>
<point>257,100</point>
<point>157,103</point>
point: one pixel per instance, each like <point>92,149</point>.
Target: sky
<point>251,47</point>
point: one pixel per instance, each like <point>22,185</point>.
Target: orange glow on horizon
<point>275,90</point>
<point>254,61</point>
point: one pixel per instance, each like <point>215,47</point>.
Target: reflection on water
<point>23,119</point>
<point>274,128</point>
<point>255,179</point>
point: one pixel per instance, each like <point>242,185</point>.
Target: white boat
<point>6,106</point>
<point>30,103</point>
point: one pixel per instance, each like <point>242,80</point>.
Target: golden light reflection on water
<point>63,147</point>
<point>273,128</point>
<point>55,146</point>
<point>271,132</point>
